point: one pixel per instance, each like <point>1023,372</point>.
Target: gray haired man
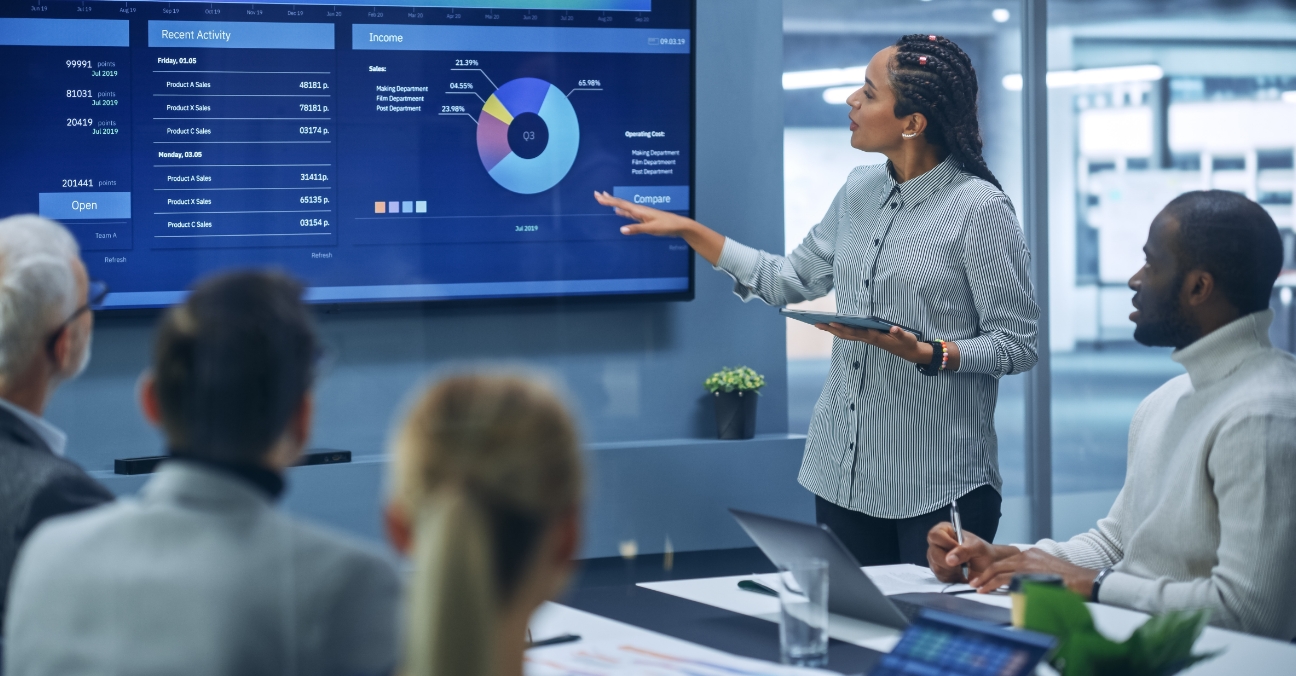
<point>45,327</point>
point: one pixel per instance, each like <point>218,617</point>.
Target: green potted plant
<point>1162,646</point>
<point>735,391</point>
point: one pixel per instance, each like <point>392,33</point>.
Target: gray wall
<point>634,370</point>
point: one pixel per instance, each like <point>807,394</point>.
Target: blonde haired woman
<point>486,495</point>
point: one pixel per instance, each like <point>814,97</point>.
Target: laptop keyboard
<point>908,609</point>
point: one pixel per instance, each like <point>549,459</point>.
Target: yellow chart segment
<point>497,109</point>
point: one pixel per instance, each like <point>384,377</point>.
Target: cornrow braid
<point>933,76</point>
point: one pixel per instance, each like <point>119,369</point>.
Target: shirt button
<point>856,364</point>
<point>852,407</point>
<point>866,283</point>
<point>877,242</point>
<point>893,205</point>
<point>852,446</point>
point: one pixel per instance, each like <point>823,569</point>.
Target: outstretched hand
<point>649,221</point>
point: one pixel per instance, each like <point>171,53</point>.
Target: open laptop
<point>850,591</point>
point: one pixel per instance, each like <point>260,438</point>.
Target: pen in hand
<point>958,531</point>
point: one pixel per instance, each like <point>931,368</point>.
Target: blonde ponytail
<point>484,464</point>
<point>453,604</point>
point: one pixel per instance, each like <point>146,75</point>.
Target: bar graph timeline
<point>397,153</point>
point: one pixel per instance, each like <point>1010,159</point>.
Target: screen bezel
<point>584,299</point>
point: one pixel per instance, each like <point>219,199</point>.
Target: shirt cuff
<point>979,355</point>
<point>741,262</point>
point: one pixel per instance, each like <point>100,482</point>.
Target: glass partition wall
<point>1147,100</point>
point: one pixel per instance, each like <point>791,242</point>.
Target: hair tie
<point>922,60</point>
<point>931,38</point>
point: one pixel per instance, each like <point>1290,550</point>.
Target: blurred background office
<point>1147,99</point>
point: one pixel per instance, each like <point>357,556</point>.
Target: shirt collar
<point>919,188</point>
<point>263,479</point>
<point>1219,353</point>
<point>53,437</point>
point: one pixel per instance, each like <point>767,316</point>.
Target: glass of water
<point>803,616</point>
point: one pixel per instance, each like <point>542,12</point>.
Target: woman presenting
<point>928,240</point>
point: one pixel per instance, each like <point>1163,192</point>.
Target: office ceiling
<point>975,16</point>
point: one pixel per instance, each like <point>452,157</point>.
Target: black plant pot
<point>736,414</point>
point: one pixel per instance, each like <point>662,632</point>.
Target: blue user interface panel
<point>941,644</point>
<point>380,153</point>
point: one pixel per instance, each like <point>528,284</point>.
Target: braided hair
<point>933,76</point>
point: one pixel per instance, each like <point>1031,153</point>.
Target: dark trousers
<point>876,542</point>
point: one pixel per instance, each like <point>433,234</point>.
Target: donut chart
<point>527,135</point>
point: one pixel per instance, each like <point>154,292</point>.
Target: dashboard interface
<point>379,153</point>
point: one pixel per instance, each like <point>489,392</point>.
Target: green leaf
<point>739,379</point>
<point>1055,610</point>
<point>1161,647</point>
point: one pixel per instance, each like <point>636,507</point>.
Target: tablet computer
<point>849,320</point>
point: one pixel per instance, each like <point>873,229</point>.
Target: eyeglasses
<point>94,300</point>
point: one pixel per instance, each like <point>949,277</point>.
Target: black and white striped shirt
<point>941,253</point>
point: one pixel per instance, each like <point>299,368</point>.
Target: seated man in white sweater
<point>200,574</point>
<point>1207,515</point>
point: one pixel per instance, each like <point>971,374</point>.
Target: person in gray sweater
<point>1207,515</point>
<point>200,574</point>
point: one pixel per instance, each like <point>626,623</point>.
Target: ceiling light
<point>827,77</point>
<point>1289,97</point>
<point>1091,76</point>
<point>1000,15</point>
<point>836,95</point>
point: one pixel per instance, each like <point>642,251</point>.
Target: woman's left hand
<point>897,341</point>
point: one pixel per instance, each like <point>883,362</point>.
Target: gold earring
<point>904,135</point>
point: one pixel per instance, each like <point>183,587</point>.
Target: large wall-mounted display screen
<point>380,153</point>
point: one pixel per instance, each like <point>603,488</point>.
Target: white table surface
<point>553,619</point>
<point>1244,654</point>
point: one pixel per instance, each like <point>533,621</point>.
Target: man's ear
<point>149,404</point>
<point>301,421</point>
<point>63,348</point>
<point>1198,288</point>
<point>397,525</point>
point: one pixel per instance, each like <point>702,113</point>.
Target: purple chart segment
<point>492,140</point>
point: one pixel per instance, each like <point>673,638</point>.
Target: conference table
<point>707,620</point>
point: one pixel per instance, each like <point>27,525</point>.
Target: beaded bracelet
<point>944,354</point>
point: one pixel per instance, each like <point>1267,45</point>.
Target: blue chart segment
<point>527,135</point>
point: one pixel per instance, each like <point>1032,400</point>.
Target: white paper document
<point>905,578</point>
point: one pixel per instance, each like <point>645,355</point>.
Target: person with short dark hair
<point>1207,516</point>
<point>200,574</point>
